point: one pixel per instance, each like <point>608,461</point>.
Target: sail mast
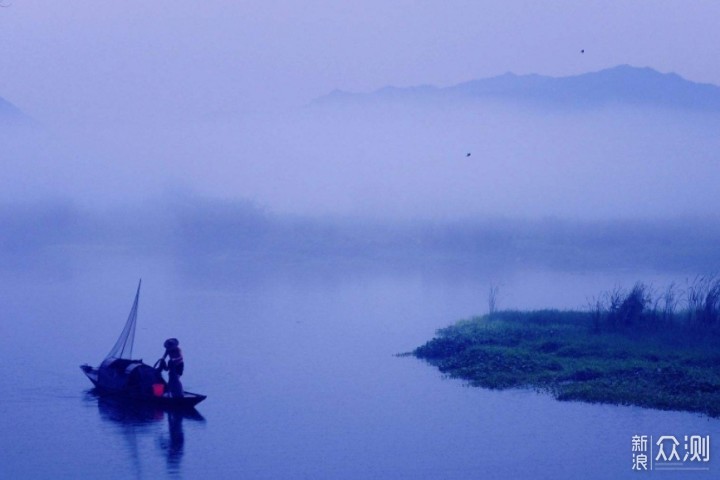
<point>124,345</point>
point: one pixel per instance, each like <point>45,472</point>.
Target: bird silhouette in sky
<point>468,154</point>
<point>582,51</point>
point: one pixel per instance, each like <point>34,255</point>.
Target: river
<point>301,375</point>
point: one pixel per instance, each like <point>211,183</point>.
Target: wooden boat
<point>120,375</point>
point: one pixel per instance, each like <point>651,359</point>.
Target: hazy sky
<point>92,59</point>
<point>157,66</point>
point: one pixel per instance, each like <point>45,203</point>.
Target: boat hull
<point>187,401</point>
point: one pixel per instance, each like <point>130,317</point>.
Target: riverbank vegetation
<point>657,349</point>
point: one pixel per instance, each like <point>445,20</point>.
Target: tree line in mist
<point>226,234</point>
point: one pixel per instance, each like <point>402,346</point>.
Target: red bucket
<point>158,389</point>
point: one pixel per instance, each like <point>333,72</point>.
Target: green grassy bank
<point>646,359</point>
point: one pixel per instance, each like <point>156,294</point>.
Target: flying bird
<point>582,51</point>
<point>467,154</point>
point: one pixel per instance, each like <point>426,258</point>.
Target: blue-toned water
<point>301,378</point>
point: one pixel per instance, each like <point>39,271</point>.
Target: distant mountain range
<point>623,84</point>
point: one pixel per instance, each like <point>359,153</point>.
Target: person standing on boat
<point>174,366</point>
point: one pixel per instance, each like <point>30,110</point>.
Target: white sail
<point>124,345</point>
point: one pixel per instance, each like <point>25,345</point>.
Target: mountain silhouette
<point>624,85</point>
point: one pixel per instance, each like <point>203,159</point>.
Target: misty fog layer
<point>449,186</point>
<point>392,161</point>
<point>221,241</point>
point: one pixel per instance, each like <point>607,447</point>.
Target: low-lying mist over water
<point>409,178</point>
<point>223,239</point>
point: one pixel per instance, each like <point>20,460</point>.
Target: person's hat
<point>171,343</point>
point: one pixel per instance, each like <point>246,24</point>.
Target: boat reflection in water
<point>139,421</point>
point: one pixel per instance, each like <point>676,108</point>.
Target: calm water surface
<point>301,378</point>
